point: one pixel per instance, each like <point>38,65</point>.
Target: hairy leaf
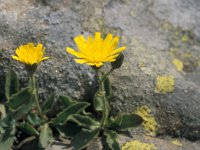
<point>98,101</point>
<point>84,121</point>
<point>26,127</point>
<point>45,136</point>
<point>111,139</point>
<point>84,138</point>
<point>62,117</point>
<point>2,111</point>
<point>12,84</point>
<point>48,104</point>
<point>7,138</point>
<point>34,119</point>
<point>19,98</point>
<point>67,101</point>
<point>69,130</point>
<point>125,121</point>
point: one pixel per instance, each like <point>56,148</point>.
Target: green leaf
<point>98,101</point>
<point>69,130</point>
<point>26,127</point>
<point>111,139</point>
<point>62,117</point>
<point>125,121</point>
<point>20,98</point>
<point>48,104</point>
<point>7,138</point>
<point>84,121</point>
<point>7,121</point>
<point>34,119</point>
<point>67,101</point>
<point>45,136</point>
<point>107,87</point>
<point>84,138</point>
<point>24,109</point>
<point>12,84</point>
<point>2,111</point>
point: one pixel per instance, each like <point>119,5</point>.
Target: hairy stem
<point>33,85</point>
<point>105,112</point>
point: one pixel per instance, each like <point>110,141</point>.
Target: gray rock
<point>155,32</point>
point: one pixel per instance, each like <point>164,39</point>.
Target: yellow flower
<point>95,51</point>
<point>30,54</point>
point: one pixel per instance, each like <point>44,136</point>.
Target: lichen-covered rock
<point>156,33</point>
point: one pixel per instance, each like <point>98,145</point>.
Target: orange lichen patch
<point>164,84</point>
<point>150,125</point>
<point>178,64</point>
<point>137,145</point>
<point>177,143</point>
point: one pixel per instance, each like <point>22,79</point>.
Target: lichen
<point>164,84</point>
<point>137,145</point>
<point>187,55</point>
<point>177,143</point>
<point>184,38</point>
<point>167,26</point>
<point>178,64</point>
<point>150,125</point>
<point>133,13</point>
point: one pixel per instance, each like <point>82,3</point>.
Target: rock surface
<point>156,32</point>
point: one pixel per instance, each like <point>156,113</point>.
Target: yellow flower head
<point>30,54</point>
<point>95,51</point>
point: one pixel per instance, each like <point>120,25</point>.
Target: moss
<point>178,64</point>
<point>177,143</point>
<point>164,84</point>
<point>150,125</point>
<point>137,145</point>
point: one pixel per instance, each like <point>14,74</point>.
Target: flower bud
<point>119,61</point>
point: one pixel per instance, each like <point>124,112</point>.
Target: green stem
<point>106,75</point>
<point>33,85</point>
<point>105,112</point>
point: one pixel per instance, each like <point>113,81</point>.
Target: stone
<point>155,32</point>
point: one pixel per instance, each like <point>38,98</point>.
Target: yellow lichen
<point>177,143</point>
<point>150,125</point>
<point>198,62</point>
<point>164,84</point>
<point>137,145</point>
<point>178,64</point>
<point>133,13</point>
<point>184,38</point>
<point>173,50</point>
<point>187,55</point>
<point>167,26</point>
<point>177,33</point>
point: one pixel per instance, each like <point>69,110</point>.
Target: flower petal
<point>73,52</point>
<point>81,61</point>
<point>118,50</point>
<point>98,64</point>
<point>80,42</point>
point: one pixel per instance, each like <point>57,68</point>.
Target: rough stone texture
<point>154,31</point>
<point>162,143</point>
